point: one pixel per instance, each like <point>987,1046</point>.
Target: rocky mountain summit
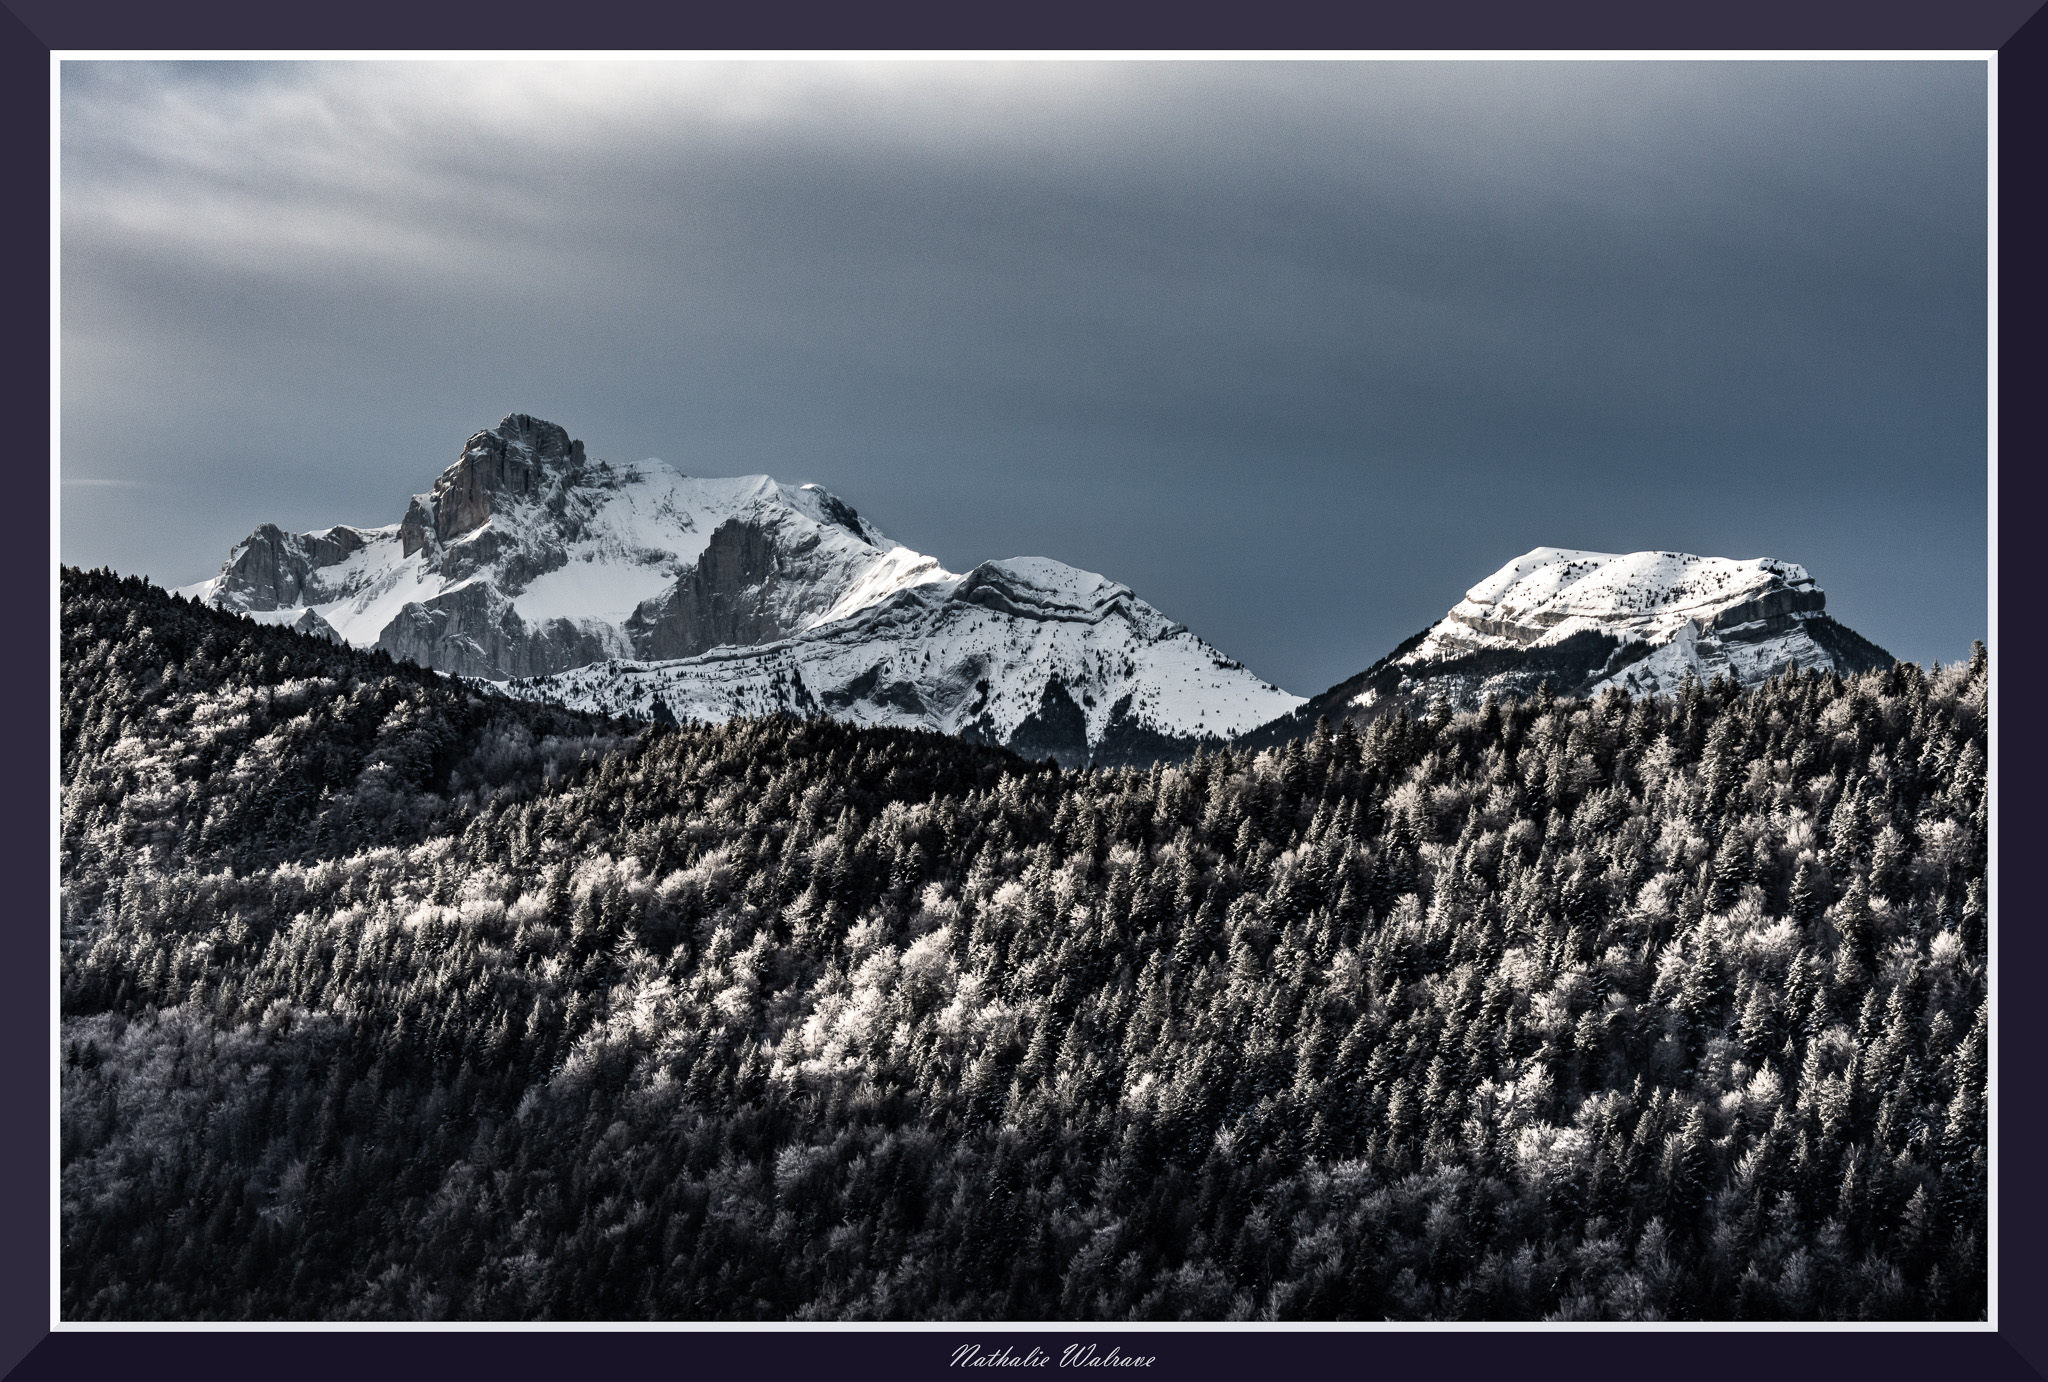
<point>1587,621</point>
<point>608,587</point>
<point>527,558</point>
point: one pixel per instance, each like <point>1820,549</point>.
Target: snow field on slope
<point>589,586</point>
<point>899,569</point>
<point>1653,584</point>
<point>377,582</point>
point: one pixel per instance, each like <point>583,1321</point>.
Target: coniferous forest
<point>387,997</point>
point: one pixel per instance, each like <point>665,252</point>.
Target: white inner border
<point>1001,1333</point>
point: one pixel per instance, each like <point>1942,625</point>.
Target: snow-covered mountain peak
<point>526,556</point>
<point>521,456</point>
<point>1038,587</point>
<point>1546,595</point>
<point>601,583</point>
<point>822,506</point>
<point>1585,622</point>
<point>1045,658</point>
<point>899,569</point>
<point>1642,621</point>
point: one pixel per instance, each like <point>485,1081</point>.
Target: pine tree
<point>1806,901</point>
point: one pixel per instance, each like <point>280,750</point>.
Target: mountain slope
<point>1586,621</point>
<point>1028,653</point>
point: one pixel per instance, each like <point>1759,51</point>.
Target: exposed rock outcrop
<point>727,596</point>
<point>273,569</point>
<point>512,460</point>
<point>474,631</point>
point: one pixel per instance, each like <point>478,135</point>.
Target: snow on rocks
<point>606,586</point>
<point>1045,658</point>
<point>1672,614</point>
<point>527,558</point>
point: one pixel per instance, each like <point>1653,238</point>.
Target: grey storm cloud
<point>1298,350</point>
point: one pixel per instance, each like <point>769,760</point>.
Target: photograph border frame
<point>28,1303</point>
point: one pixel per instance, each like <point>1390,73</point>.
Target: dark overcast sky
<point>1299,351</point>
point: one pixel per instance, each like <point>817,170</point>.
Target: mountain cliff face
<point>1587,621</point>
<point>609,587</point>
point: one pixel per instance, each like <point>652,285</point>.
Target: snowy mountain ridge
<point>529,563</point>
<point>1585,622</point>
<point>619,587</point>
<point>1672,613</point>
<point>1044,658</point>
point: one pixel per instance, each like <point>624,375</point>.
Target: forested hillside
<point>387,998</point>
